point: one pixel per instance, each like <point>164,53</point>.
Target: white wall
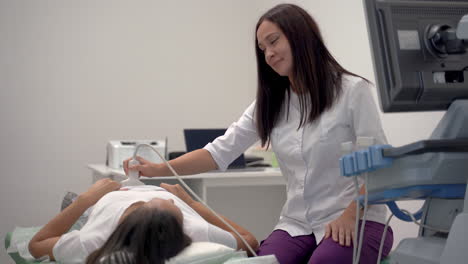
<point>75,74</point>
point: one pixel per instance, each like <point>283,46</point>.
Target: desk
<point>253,199</point>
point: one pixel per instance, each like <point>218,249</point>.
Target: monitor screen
<point>198,138</point>
<point>419,63</point>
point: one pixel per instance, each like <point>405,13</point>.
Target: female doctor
<point>307,104</point>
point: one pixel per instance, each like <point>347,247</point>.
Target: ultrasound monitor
<point>419,63</point>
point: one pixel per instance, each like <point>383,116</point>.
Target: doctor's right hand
<point>145,168</point>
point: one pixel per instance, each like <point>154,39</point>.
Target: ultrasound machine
<point>420,59</point>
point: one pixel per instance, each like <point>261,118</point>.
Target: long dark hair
<point>145,236</point>
<point>316,74</point>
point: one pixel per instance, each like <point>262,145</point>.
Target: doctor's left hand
<point>341,229</point>
<point>99,189</point>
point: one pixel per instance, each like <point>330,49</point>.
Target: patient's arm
<point>208,215</point>
<point>194,162</point>
<point>212,219</point>
<point>44,241</point>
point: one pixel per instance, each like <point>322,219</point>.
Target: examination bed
<point>16,243</point>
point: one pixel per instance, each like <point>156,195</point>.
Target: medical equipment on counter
<point>420,59</point>
<point>193,193</point>
<point>119,150</point>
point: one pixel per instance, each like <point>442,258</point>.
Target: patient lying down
<point>144,224</point>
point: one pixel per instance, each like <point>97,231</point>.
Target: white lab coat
<point>309,156</point>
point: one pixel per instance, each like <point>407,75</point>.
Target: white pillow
<point>203,253</point>
<point>269,259</point>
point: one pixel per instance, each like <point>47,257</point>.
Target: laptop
<point>198,138</point>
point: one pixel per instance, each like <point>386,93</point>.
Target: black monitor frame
<point>410,76</point>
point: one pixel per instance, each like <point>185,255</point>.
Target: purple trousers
<point>304,249</point>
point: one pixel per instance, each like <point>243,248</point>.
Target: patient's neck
<point>130,209</point>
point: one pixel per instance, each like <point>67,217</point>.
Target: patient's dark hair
<point>145,236</point>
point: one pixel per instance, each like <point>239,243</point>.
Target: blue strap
<point>402,216</point>
<point>417,192</point>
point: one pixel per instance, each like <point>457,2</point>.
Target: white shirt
<point>309,156</point>
<point>75,246</point>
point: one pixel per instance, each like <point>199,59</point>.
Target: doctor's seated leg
<point>329,251</point>
<point>288,249</point>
